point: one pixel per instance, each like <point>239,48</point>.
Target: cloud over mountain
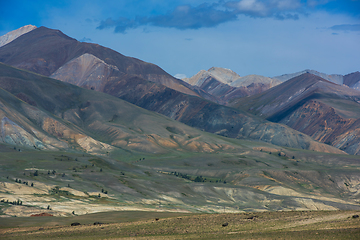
<point>209,15</point>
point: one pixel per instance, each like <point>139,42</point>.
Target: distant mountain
<point>50,52</point>
<point>335,78</point>
<point>351,80</point>
<point>222,75</point>
<point>10,36</point>
<point>226,85</point>
<point>325,111</point>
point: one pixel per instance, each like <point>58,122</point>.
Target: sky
<point>264,37</point>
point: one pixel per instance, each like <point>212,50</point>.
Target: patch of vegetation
<point>64,158</point>
<point>56,191</point>
<point>196,178</point>
<point>98,162</point>
<point>235,162</point>
<point>18,202</point>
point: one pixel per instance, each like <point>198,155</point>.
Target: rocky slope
<point>325,111</point>
<point>11,36</point>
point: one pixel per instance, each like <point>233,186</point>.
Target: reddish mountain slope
<point>327,112</point>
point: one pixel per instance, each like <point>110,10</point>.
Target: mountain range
<point>143,84</point>
<point>325,111</point>
<point>86,129</point>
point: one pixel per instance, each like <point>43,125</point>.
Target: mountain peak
<point>11,36</point>
<point>224,75</point>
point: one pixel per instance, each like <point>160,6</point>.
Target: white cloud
<point>279,9</point>
<point>287,4</point>
<point>180,76</point>
<point>252,6</point>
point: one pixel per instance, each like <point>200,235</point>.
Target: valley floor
<point>151,225</point>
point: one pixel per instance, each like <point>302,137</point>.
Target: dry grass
<point>266,225</point>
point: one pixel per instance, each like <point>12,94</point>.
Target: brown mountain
<point>102,69</point>
<point>45,50</point>
<point>325,111</point>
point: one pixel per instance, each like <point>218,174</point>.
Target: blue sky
<point>265,37</point>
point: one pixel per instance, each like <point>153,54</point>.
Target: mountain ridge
<point>37,53</point>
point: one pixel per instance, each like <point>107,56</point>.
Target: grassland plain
<point>151,225</point>
<point>258,177</point>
